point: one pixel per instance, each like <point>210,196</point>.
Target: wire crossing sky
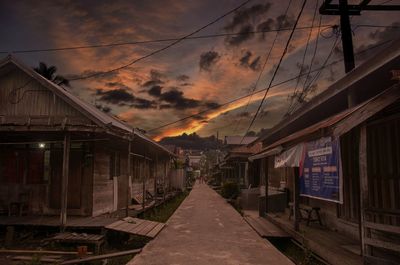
<point>171,67</point>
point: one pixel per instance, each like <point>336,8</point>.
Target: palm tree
<point>49,72</point>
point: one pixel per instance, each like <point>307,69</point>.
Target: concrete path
<point>206,230</point>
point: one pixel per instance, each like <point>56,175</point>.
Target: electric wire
<point>305,50</point>
<point>276,69</point>
<point>264,89</point>
<point>117,44</point>
<point>263,67</point>
<point>163,48</point>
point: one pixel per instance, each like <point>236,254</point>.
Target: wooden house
<point>59,154</point>
<point>356,123</point>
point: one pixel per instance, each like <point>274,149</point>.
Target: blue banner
<point>320,172</point>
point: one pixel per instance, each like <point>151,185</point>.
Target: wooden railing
<point>380,235</point>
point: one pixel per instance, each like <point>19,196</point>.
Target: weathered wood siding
<point>103,187</point>
<point>33,102</point>
<point>123,181</point>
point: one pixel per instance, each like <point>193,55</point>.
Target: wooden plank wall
<point>383,147</point>
<point>102,184</point>
<point>33,100</point>
<point>350,209</point>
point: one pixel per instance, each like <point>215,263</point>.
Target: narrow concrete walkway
<point>206,230</point>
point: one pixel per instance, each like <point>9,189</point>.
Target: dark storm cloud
<point>187,84</point>
<point>247,61</point>
<point>283,21</point>
<point>302,68</point>
<point>141,103</point>
<point>244,114</point>
<point>208,60</point>
<point>386,34</point>
<point>244,15</point>
<point>116,96</point>
<point>105,109</point>
<point>244,61</point>
<point>265,26</point>
<point>115,84</point>
<point>155,91</point>
<point>166,106</point>
<point>122,97</point>
<point>244,35</point>
<point>176,99</point>
<point>182,78</point>
<point>156,78</point>
<point>94,75</point>
<point>255,64</point>
<point>212,105</point>
<point>363,51</point>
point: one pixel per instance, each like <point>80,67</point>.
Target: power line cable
<point>306,49</point>
<point>306,89</point>
<point>117,44</point>
<point>276,69</point>
<point>311,64</point>
<point>163,48</point>
<point>264,89</point>
<point>263,67</point>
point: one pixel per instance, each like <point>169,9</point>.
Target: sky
<point>194,75</point>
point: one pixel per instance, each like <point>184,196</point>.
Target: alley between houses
<point>205,229</point>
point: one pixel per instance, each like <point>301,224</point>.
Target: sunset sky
<point>195,74</point>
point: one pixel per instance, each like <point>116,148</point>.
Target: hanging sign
<point>321,173</point>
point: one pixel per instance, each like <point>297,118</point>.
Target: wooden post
<point>266,183</point>
<point>363,185</point>
<point>296,197</point>
<point>155,176</point>
<point>129,176</point>
<point>144,183</point>
<point>164,177</point>
<point>64,180</point>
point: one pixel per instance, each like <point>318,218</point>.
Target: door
<point>74,180</point>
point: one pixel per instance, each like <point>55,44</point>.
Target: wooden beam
<point>100,257</point>
<point>129,178</point>
<point>363,185</point>
<point>370,108</point>
<point>164,177</point>
<point>64,180</point>
<point>296,198</point>
<point>144,171</point>
<point>266,182</point>
<point>383,227</point>
<point>382,244</point>
<point>155,175</point>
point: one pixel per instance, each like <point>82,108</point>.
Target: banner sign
<point>290,158</point>
<point>321,172</point>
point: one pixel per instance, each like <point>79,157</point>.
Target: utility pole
<point>344,10</point>
<point>347,38</point>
